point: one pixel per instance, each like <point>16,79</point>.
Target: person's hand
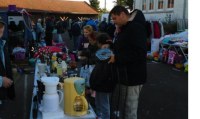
<point>7,82</point>
<point>79,53</point>
<point>112,59</point>
<point>82,57</point>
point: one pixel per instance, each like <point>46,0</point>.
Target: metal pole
<point>105,4</point>
<point>184,9</point>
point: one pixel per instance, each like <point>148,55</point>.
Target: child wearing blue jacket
<point>101,79</point>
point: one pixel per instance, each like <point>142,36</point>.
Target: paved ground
<point>20,107</point>
<point>165,96</point>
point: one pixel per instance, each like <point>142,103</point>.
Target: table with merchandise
<point>36,111</point>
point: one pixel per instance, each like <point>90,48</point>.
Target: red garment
<point>156,29</point>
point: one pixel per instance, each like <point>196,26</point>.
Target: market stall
<point>58,91</point>
<point>37,113</point>
<point>171,49</point>
<point>179,48</point>
<point>177,43</point>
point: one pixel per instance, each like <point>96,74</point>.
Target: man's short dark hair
<point>119,9</point>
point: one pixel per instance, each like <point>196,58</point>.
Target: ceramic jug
<point>51,99</point>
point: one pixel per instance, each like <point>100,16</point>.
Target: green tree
<point>103,10</point>
<point>127,3</point>
<point>121,2</point>
<point>95,4</point>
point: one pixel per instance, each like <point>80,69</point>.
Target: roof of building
<point>59,6</point>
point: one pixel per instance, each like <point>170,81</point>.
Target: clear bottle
<point>59,70</point>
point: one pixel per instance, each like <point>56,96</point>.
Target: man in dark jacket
<point>6,80</point>
<point>130,58</point>
<point>76,33</point>
<point>48,31</point>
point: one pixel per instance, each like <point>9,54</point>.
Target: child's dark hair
<point>103,38</point>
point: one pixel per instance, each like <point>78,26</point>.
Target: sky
<point>109,3</point>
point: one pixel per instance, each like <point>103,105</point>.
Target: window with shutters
<point>144,4</point>
<point>170,4</point>
<point>160,4</point>
<point>151,4</point>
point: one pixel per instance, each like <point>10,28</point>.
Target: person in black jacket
<point>101,79</point>
<point>76,33</point>
<point>48,31</point>
<point>130,59</point>
<point>6,80</point>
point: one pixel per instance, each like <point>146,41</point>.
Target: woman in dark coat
<point>88,45</point>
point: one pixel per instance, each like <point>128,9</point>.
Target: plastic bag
<point>85,73</point>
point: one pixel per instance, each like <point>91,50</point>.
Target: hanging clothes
<point>152,29</point>
<point>156,29</point>
<point>149,30</point>
<point>161,29</point>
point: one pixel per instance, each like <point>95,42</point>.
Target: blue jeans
<point>102,102</point>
